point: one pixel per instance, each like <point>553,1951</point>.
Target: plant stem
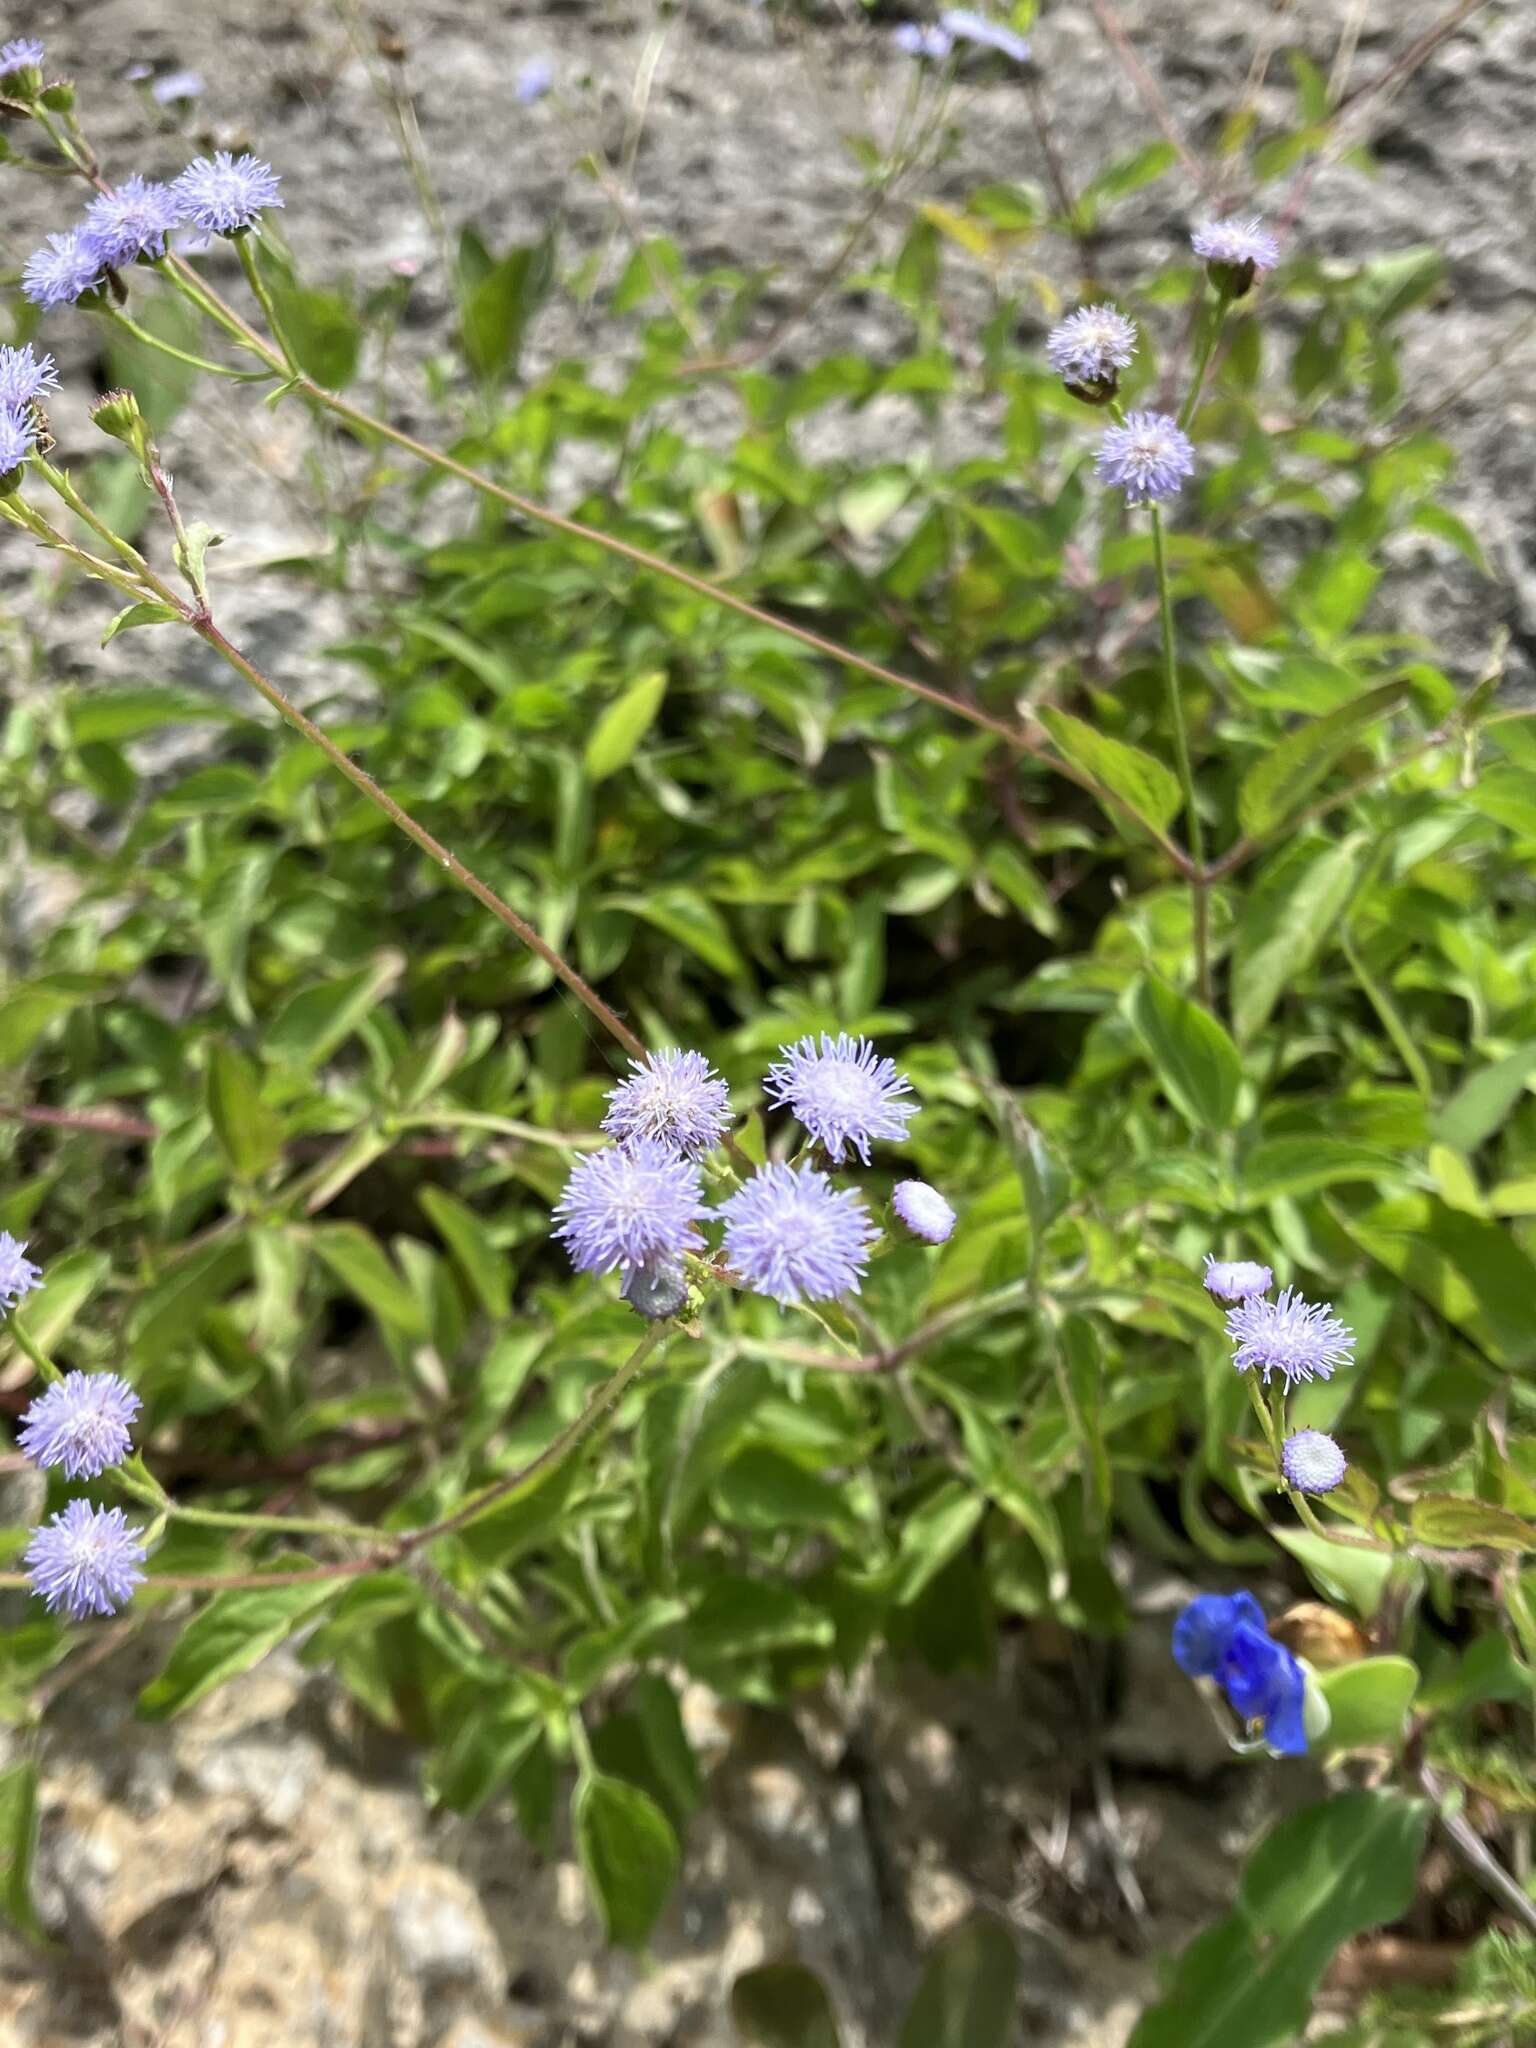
<point>1209,336</point>
<point>293,1525</point>
<point>182,355</point>
<point>264,299</point>
<point>1198,884</point>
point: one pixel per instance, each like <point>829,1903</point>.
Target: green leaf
<point>1286,774</point>
<point>1195,1060</point>
<point>1145,787</point>
<point>967,1996</point>
<point>321,327</point>
<point>18,1846</point>
<point>361,1266</point>
<point>499,302</point>
<point>315,1021</point>
<point>1355,1578</point>
<point>68,1284</point>
<point>1480,1105</point>
<point>647,1745</point>
<point>742,1617</point>
<point>1277,1167</point>
<point>172,1310</point>
<point>782,2005</point>
<point>624,725</point>
<point>233,1632</point>
<point>27,1012</point>
<point>126,714</point>
<point>1317,1880</point>
<point>1143,166</point>
<point>683,914</point>
<point>1368,1702</point>
<point>249,1134</point>
<point>932,1535</point>
<point>1290,911</point>
<point>1473,1271</point>
<point>1453,1522</point>
<point>469,1241</point>
<point>139,615</point>
<point>628,1852</point>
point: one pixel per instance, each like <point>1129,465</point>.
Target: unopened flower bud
<point>58,96</point>
<point>118,414</point>
<point>1235,252</point>
<point>655,1292</point>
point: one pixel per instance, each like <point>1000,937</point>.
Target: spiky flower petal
<point>845,1094</point>
<point>966,26</point>
<point>676,1097</point>
<point>133,221</point>
<point>18,437</point>
<point>1237,245</point>
<point>1300,1339</point>
<point>1236,1279</point>
<point>81,1422</point>
<point>23,377</point>
<point>1091,345</point>
<point>923,1210</point>
<point>85,1560</point>
<point>18,1275</point>
<point>224,194</point>
<point>791,1235</point>
<point>630,1206</point>
<point>21,53</point>
<point>1148,457</point>
<point>1312,1462</point>
<point>63,270</point>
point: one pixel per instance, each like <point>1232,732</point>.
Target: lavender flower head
<point>1223,1636</point>
<point>1235,252</point>
<point>82,1423</point>
<point>533,80</point>
<point>923,1210</point>
<point>85,1560</point>
<point>1148,457</point>
<point>18,1275</point>
<point>132,221</point>
<point>23,377</point>
<point>175,88</point>
<point>1091,346</point>
<point>21,53</point>
<point>791,1235</point>
<point>629,1206</point>
<point>914,40</point>
<point>675,1097</point>
<point>18,437</point>
<point>1311,1461</point>
<point>66,267</point>
<point>1236,1279</point>
<point>226,195</point>
<point>843,1092</point>
<point>966,26</point>
<point>1301,1339</point>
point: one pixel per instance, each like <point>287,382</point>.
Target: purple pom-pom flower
<point>915,40</point>
<point>21,53</point>
<point>1236,1279</point>
<point>132,221</point>
<point>923,1210</point>
<point>1223,1636</point>
<point>66,267</point>
<point>85,1560</point>
<point>1091,346</point>
<point>23,377</point>
<point>1148,457</point>
<point>675,1097</point>
<point>18,437</point>
<point>81,1422</point>
<point>843,1091</point>
<point>791,1235</point>
<point>1235,252</point>
<point>1302,1340</point>
<point>1311,1461</point>
<point>18,1275</point>
<point>966,26</point>
<point>176,88</point>
<point>226,195</point>
<point>630,1206</point>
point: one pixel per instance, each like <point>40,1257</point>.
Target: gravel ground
<point>259,1873</point>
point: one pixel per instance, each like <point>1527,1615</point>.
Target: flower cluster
<point>1223,1636</point>
<point>217,195</point>
<point>23,380</point>
<point>788,1233</point>
<point>1148,456</point>
<point>1089,349</point>
<point>84,1560</point>
<point>1300,1340</point>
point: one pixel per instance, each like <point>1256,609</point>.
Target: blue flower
<point>843,1092</point>
<point>18,1275</point>
<point>21,53</point>
<point>1148,457</point>
<point>533,80</point>
<point>175,88</point>
<point>923,1210</point>
<point>1311,1461</point>
<point>1235,252</point>
<point>1302,1339</point>
<point>66,266</point>
<point>23,377</point>
<point>18,437</point>
<point>1223,1636</point>
<point>224,195</point>
<point>85,1560</point>
<point>790,1235</point>
<point>629,1206</point>
<point>1236,1279</point>
<point>913,40</point>
<point>968,27</point>
<point>132,221</point>
<point>82,1423</point>
<point>676,1097</point>
<point>1090,345</point>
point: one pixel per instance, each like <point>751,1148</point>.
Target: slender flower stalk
<point>1198,885</point>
